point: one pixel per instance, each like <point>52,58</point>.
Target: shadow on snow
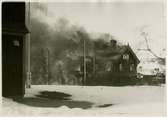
<point>53,99</point>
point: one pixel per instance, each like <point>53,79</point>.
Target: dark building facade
<point>113,65</point>
<point>13,48</point>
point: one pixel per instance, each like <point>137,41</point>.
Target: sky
<point>123,20</point>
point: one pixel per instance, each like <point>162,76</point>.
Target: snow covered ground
<point>146,101</point>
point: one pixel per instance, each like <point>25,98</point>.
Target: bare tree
<point>146,37</point>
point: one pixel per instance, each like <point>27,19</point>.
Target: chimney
<point>113,43</point>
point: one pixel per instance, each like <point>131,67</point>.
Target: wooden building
<point>118,58</point>
<point>14,51</point>
<point>113,65</point>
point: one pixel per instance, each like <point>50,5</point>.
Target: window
<point>16,43</point>
<point>109,66</point>
<point>126,57</point>
<point>156,70</point>
<point>132,67</point>
<point>140,68</point>
<point>120,67</point>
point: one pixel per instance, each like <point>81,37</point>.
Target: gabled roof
<point>116,53</point>
<point>132,52</point>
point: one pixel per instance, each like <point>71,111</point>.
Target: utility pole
<point>94,60</point>
<point>47,65</point>
<point>84,60</point>
<point>84,56</point>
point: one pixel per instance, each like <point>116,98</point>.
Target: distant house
<point>112,64</point>
<point>119,59</point>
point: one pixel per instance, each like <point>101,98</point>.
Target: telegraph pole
<point>84,60</point>
<point>94,59</point>
<point>47,65</point>
<point>84,57</point>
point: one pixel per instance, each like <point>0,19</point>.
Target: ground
<point>51,99</point>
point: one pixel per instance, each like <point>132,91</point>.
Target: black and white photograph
<point>79,58</point>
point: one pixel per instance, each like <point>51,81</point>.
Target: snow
<point>149,63</point>
<point>148,68</point>
<point>92,100</point>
